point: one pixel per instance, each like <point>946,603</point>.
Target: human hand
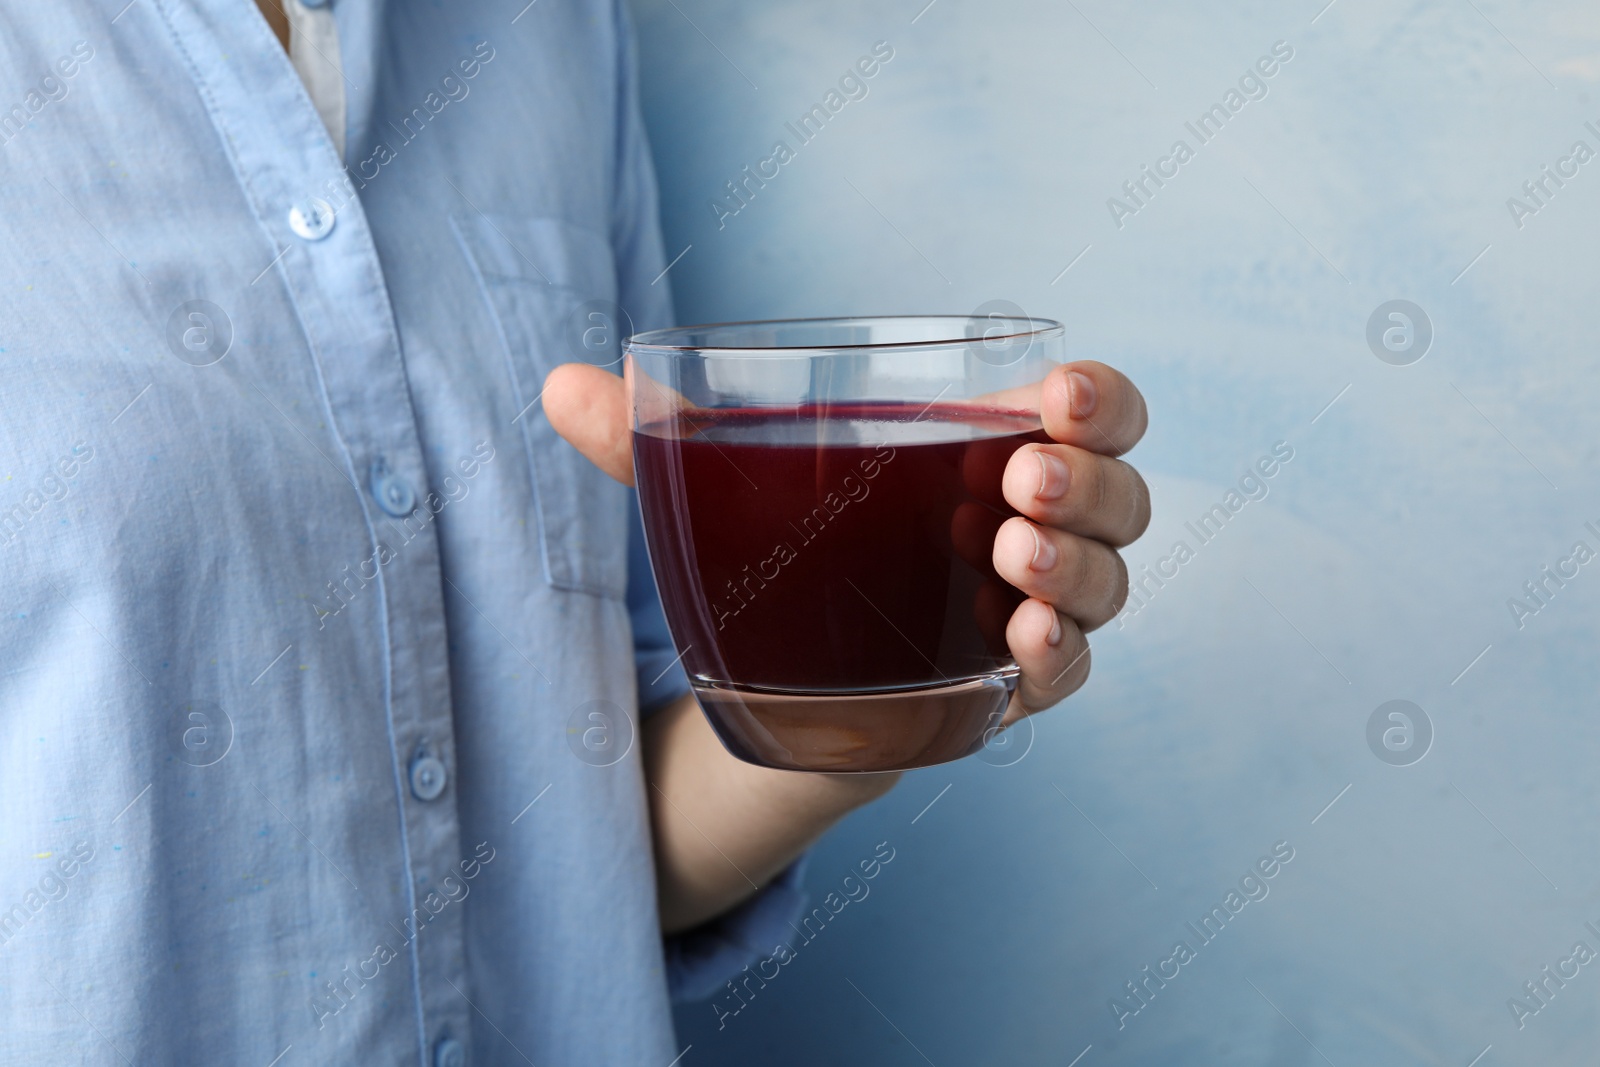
<point>1078,504</point>
<point>589,407</point>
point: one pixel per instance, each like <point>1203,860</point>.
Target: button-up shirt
<point>324,655</point>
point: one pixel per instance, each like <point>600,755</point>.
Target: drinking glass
<point>820,500</point>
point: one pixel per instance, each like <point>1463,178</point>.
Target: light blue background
<point>1226,715</point>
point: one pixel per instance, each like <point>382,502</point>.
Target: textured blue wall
<point>1227,713</point>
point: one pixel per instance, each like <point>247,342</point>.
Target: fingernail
<point>1084,396</point>
<point>1053,638</point>
<point>1054,476</point>
<point>1044,552</point>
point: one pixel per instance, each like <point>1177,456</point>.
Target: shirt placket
<point>327,263</point>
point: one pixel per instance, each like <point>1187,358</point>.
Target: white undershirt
<point>314,52</point>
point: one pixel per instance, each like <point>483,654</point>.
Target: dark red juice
<point>832,549</point>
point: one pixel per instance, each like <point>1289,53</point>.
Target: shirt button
<point>427,778</point>
<point>450,1053</point>
<point>312,218</point>
<point>394,494</point>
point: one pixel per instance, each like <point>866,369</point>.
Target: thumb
<point>589,407</point>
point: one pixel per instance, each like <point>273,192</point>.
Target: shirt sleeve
<point>644,291</point>
<point>656,664</point>
<point>701,960</point>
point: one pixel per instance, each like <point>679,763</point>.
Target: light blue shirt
<point>323,654</point>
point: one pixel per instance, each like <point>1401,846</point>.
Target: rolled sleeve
<point>700,961</point>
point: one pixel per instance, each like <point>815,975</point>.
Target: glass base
<point>880,730</point>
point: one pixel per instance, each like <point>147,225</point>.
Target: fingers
<point>1089,405</point>
<point>1077,490</point>
<point>1081,578</point>
<point>1051,670</point>
<point>589,407</point>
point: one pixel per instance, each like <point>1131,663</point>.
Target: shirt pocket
<point>537,275</point>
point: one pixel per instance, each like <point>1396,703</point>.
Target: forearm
<point>722,827</point>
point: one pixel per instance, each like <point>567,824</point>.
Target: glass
<point>820,500</point>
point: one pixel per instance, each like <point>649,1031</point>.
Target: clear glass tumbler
<point>820,500</point>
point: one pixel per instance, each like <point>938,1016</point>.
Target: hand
<point>1078,505</point>
<point>589,407</point>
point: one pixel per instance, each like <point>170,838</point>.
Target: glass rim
<point>651,340</point>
